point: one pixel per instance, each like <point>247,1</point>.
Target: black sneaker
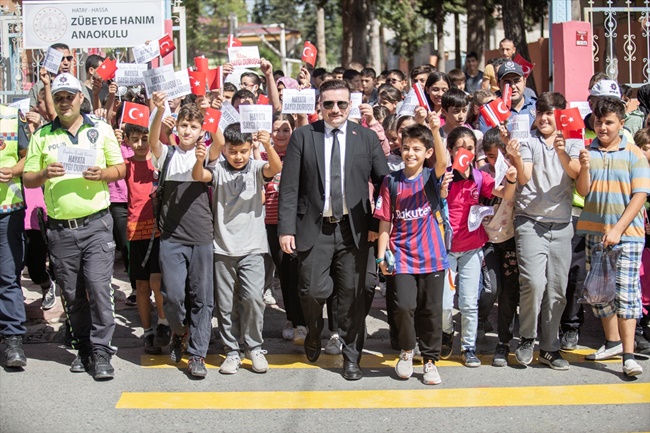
<point>163,335</point>
<point>447,345</point>
<point>524,352</point>
<point>569,340</point>
<point>149,346</point>
<point>196,366</point>
<point>553,360</point>
<point>82,363</point>
<point>131,300</point>
<point>177,347</point>
<point>501,354</point>
<point>103,368</point>
<point>14,354</point>
<point>641,345</point>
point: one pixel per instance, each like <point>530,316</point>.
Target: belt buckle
<point>72,224</point>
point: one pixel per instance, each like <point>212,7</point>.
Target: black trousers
<point>335,264</point>
<point>287,268</point>
<point>36,258</point>
<point>573,316</point>
<point>418,312</point>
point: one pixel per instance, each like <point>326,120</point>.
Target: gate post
<point>573,64</point>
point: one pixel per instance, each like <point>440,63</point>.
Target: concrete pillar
<point>573,64</point>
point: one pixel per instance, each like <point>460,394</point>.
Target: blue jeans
<point>12,304</point>
<point>468,266</point>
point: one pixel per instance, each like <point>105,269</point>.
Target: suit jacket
<point>302,185</point>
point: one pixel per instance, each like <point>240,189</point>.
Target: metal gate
<point>626,58</point>
<point>12,70</point>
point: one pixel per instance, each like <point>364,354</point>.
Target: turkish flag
<point>233,42</point>
<point>568,120</point>
<point>507,95</point>
<point>309,53</point>
<point>419,92</point>
<point>201,64</point>
<point>262,99</point>
<point>135,114</point>
<point>526,66</point>
<point>215,78</point>
<point>462,160</point>
<point>495,112</point>
<point>166,45</point>
<point>211,120</point>
<point>197,82</point>
<point>107,69</point>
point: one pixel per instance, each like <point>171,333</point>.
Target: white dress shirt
<point>329,140</point>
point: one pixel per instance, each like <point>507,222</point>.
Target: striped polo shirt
<point>615,177</point>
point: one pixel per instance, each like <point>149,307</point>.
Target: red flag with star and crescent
<point>197,82</point>
<point>233,42</point>
<point>107,69</point>
<point>462,160</point>
<point>495,112</point>
<point>526,66</point>
<point>215,78</point>
<point>166,45</point>
<point>568,120</point>
<point>135,114</point>
<point>211,120</point>
<point>309,53</point>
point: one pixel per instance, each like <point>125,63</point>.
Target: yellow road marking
<point>329,361</point>
<point>380,399</point>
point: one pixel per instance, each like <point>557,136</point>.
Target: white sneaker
<point>230,365</point>
<point>404,366</point>
<point>287,331</point>
<point>268,297</point>
<point>632,368</point>
<point>333,347</point>
<point>260,364</point>
<point>299,335</point>
<point>602,353</point>
<point>431,375</point>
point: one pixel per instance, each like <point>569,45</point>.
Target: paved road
<point>149,394</point>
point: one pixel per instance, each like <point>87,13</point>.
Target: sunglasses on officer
<point>68,58</point>
<point>328,105</point>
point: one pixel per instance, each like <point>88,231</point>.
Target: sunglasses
<point>395,80</point>
<point>68,58</point>
<point>328,105</point>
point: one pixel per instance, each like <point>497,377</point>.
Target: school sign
<point>92,23</point>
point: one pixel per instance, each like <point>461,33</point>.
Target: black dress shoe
<point>312,347</point>
<point>351,371</point>
<point>82,363</point>
<point>103,368</point>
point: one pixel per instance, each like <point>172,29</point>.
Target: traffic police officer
<point>13,146</point>
<point>80,226</point>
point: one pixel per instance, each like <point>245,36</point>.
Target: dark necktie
<point>336,189</point>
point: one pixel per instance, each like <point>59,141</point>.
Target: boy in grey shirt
<point>240,241</point>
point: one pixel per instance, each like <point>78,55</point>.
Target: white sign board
<point>500,168</point>
<point>180,86</point>
<point>146,52</point>
<point>130,74</point>
<point>520,127</point>
<point>244,57</point>
<point>256,118</point>
<point>298,101</point>
<point>92,23</point>
<point>409,104</point>
<point>356,99</point>
<point>76,160</point>
<point>158,79</point>
<point>52,60</point>
<point>22,105</point>
<point>228,115</point>
<point>476,215</point>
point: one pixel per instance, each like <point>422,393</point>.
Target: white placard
<point>52,60</point>
<point>145,53</point>
<point>583,106</point>
<point>158,79</point>
<point>476,215</point>
<point>500,168</point>
<point>92,23</point>
<point>356,99</point>
<point>228,115</point>
<point>244,57</point>
<point>180,86</point>
<point>409,104</point>
<point>520,127</point>
<point>298,101</point>
<point>76,160</point>
<point>130,74</point>
<point>166,113</point>
<point>256,118</point>
<point>22,105</point>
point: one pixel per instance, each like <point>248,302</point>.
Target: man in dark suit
<point>324,217</point>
